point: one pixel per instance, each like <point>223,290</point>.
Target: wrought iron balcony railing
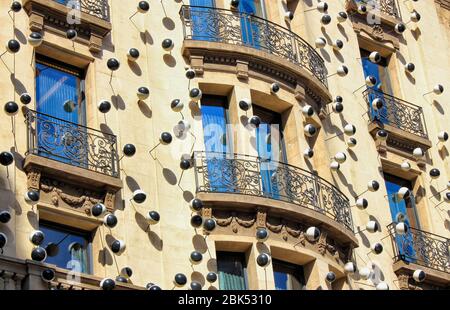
<point>238,28</point>
<point>396,112</point>
<point>72,143</point>
<point>248,175</point>
<point>98,8</point>
<point>387,7</point>
<point>422,248</point>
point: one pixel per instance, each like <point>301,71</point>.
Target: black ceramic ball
<point>16,6</point>
<point>180,279</point>
<point>13,46</point>
<point>166,138</point>
<point>129,150</point>
<point>25,98</point>
<point>195,286</point>
<point>71,34</point>
<point>38,254</point>
<point>196,221</point>
<point>6,158</point>
<point>211,277</point>
<point>11,108</point>
<point>185,164</point>
<point>113,64</point>
<point>209,224</point>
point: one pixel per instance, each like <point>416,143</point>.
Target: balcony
<point>421,250</point>
<point>93,24</point>
<point>248,182</point>
<point>17,274</point>
<point>251,43</point>
<point>71,152</point>
<point>404,121</point>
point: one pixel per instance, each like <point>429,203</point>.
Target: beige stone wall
<point>156,256</point>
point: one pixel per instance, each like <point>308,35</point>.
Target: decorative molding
<point>236,219</point>
<point>234,222</point>
<point>94,24</point>
<point>261,218</point>
<point>74,197</point>
<point>33,178</point>
<point>444,3</point>
<point>242,69</point>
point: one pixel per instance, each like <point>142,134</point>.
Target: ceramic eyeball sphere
<point>312,234</point>
<point>375,57</point>
<point>438,89</point>
<point>263,260</point>
<point>152,217</point>
<point>400,28</point>
<point>372,226</point>
<point>403,193</point>
<point>377,248</point>
<point>418,152</point>
<point>373,186</point>
<point>320,42</point>
<point>35,39</point>
<point>195,94</point>
<point>13,46</point>
<point>342,70</point>
<point>133,54</point>
<point>401,228</point>
<point>334,165</point>
<point>262,234</point>
<point>143,93</point>
<point>419,275</point>
<point>382,135</point>
<point>338,45</point>
<point>362,203</point>
<point>167,44</point>
<point>350,267</point>
<point>349,129</point>
<point>104,106</point>
<point>405,166</point>
<point>71,34</point>
<point>325,19</point>
<point>11,108</point>
<point>176,105</point>
<point>331,277</point>
<point>340,157</point>
<point>342,17</point>
<point>310,130</point>
<point>245,104</point>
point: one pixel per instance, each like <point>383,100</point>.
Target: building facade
<point>218,144</point>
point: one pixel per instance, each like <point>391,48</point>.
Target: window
<point>67,248</point>
<point>288,276</point>
<point>232,270</point>
<point>379,70</point>
<point>403,210</point>
<point>217,143</point>
<point>271,150</point>
<point>60,110</point>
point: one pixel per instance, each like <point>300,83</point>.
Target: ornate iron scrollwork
<point>396,112</point>
<point>238,28</point>
<point>248,175</point>
<point>71,143</point>
<point>422,248</point>
<point>98,8</point>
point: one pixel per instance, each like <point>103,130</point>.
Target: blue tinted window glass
<point>73,248</point>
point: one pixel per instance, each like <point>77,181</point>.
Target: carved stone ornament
<point>33,178</point>
<point>235,219</point>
